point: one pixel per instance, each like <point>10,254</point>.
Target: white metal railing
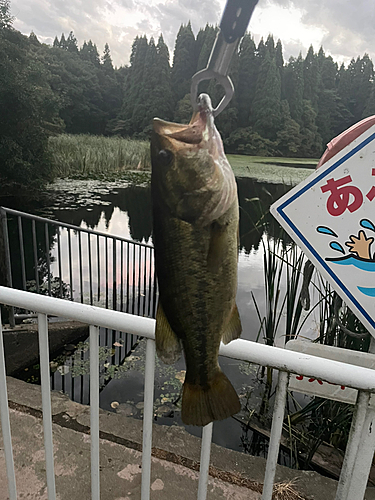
<point>361,442</point>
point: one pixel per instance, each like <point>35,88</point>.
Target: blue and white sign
<point>331,216</point>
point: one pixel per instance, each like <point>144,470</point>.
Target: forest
<point>280,108</point>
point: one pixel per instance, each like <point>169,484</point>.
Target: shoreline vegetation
<point>98,157</point>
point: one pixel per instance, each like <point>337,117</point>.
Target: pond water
<point>125,210</point>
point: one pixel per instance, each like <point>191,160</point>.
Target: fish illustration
<point>195,234</point>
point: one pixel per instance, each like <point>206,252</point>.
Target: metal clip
<point>233,25</point>
<point>217,67</point>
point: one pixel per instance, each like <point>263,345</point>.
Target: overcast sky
<point>345,28</point>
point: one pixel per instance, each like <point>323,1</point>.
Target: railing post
<point>205,461</point>
<point>5,424</point>
<point>94,411</point>
<point>148,414</point>
<point>363,462</point>
<point>276,429</point>
<point>352,446</point>
<point>46,404</point>
<point>5,250</point>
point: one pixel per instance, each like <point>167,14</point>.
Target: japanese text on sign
<point>345,196</point>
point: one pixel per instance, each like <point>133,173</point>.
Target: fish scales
<point>195,232</point>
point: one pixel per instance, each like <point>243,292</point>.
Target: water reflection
<point>125,211</point>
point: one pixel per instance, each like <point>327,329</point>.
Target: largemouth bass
<point>195,233</point>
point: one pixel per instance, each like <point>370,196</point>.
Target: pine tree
<point>370,105</point>
<point>6,19</point>
<point>311,142</point>
<point>247,77</point>
<point>294,87</point>
<point>280,64</point>
<point>107,60</point>
<point>134,81</point>
<point>89,52</point>
<point>288,136</point>
<point>311,77</point>
<point>71,43</point>
<point>34,39</point>
<point>56,43</point>
<point>184,62</point>
<point>143,106</point>
<point>266,107</point>
<point>63,44</point>
<point>162,94</point>
<point>204,43</point>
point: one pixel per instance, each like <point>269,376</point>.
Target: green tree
<point>71,43</point>
<point>247,77</point>
<point>89,52</point>
<point>28,107</point>
<point>204,44</point>
<point>134,82</point>
<point>76,83</point>
<point>311,77</point>
<point>184,62</point>
<point>183,110</point>
<point>63,44</point>
<point>311,142</point>
<point>144,104</point>
<point>279,60</point>
<point>288,136</point>
<point>294,87</point>
<point>162,93</point>
<point>34,39</point>
<point>107,60</point>
<point>266,115</point>
<point>6,19</point>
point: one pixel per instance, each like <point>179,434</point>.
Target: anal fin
<point>168,345</point>
<point>234,328</point>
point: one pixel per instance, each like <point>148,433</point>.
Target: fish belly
<point>197,273</point>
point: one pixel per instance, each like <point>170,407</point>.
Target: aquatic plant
<point>88,156</point>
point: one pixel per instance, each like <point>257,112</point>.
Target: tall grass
<point>96,156</point>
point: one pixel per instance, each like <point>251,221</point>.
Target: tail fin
<point>202,405</point>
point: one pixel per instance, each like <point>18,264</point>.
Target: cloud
<point>344,28</point>
<point>348,26</point>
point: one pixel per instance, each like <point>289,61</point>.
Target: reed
<point>87,156</point>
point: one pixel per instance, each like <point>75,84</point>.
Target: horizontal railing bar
<point>84,313</point>
<point>307,365</point>
<point>71,226</point>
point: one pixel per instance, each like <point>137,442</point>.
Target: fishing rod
<point>233,24</point>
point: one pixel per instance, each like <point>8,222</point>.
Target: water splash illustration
<point>367,224</point>
<point>336,246</point>
<point>326,230</point>
<point>370,292</point>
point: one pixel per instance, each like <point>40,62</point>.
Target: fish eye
<point>165,157</point>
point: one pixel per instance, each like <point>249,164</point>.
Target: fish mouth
<point>199,129</point>
<point>187,134</point>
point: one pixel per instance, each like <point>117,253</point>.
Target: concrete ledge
<point>21,343</point>
<point>176,454</point>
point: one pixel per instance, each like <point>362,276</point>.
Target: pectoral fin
<point>234,327</point>
<point>168,345</point>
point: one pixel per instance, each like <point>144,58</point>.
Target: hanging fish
<point>195,234</point>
